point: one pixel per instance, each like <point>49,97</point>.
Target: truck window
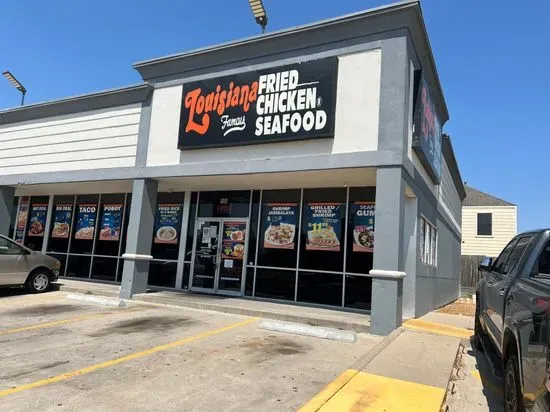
<point>516,253</point>
<point>498,266</point>
<point>542,264</point>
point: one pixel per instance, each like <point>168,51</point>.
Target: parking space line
<point>132,356</point>
<point>65,321</point>
<point>437,328</point>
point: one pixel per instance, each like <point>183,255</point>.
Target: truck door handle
<point>490,284</point>
<point>501,292</point>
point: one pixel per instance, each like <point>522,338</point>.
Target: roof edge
<point>278,33</point>
<point>84,102</point>
<point>450,158</point>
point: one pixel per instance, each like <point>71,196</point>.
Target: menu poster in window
<point>22,221</point>
<point>233,240</point>
<point>62,216</point>
<point>85,221</point>
<point>323,226</point>
<point>167,223</point>
<point>37,218</point>
<point>279,225</point>
<point>363,226</point>
<point>110,222</point>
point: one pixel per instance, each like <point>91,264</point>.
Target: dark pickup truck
<point>512,313</point>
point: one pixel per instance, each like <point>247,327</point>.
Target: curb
<point>307,330</point>
<point>98,300</point>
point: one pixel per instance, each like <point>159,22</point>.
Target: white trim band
<point>387,274</point>
<point>131,256</point>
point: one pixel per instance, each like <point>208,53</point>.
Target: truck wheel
<point>513,399</point>
<point>478,330</point>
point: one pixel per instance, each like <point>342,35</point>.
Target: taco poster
<point>111,221</point>
<point>363,226</point>
<point>62,217</point>
<point>279,225</point>
<point>323,226</point>
<point>37,219</point>
<point>85,221</point>
<point>167,223</point>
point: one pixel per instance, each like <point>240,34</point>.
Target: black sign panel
<point>427,132</point>
<point>294,102</point>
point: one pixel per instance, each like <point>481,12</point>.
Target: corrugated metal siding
<point>504,229</point>
<point>96,139</point>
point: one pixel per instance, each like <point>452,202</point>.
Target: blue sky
<point>493,59</point>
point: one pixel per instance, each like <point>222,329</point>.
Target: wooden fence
<point>470,275</point>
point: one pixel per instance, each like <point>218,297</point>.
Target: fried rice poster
<point>323,225</point>
<point>167,223</point>
<point>85,221</point>
<point>279,225</point>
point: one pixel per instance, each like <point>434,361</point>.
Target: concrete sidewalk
<point>357,322</point>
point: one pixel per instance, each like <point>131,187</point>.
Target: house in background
<point>488,224</point>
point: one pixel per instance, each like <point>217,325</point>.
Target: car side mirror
<point>486,264</point>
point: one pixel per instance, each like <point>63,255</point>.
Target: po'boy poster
<point>323,226</point>
<point>111,221</point>
<point>363,226</point>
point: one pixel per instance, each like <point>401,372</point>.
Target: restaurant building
<point>305,165</point>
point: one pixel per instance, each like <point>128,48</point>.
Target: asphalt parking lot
<point>62,355</point>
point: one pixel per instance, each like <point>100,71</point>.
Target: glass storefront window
<point>36,222</point>
<point>360,242</point>
<point>224,203</point>
<point>104,268</point>
<point>78,266</point>
<point>13,216</point>
<point>191,227</point>
<point>275,284</point>
<point>252,229</point>
<point>162,273</point>
<point>61,223</point>
<point>279,225</point>
<point>320,288</point>
<point>109,227</point>
<point>85,224</point>
<point>323,223</point>
<point>358,292</point>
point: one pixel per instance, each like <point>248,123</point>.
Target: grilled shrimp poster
<point>279,225</point>
<point>167,223</point>
<point>37,219</point>
<point>363,226</point>
<point>62,216</point>
<point>284,103</point>
<point>323,226</point>
<point>85,221</point>
<point>111,222</point>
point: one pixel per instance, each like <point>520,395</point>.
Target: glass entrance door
<point>219,254</point>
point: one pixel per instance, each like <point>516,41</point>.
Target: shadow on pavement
<point>493,386</point>
<point>20,291</point>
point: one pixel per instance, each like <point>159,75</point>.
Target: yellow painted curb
<point>315,403</point>
<point>437,328</point>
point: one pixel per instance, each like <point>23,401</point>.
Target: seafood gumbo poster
<point>85,221</point>
<point>167,223</point>
<point>323,226</point>
<point>38,219</point>
<point>62,217</point>
<point>279,225</point>
<point>363,226</point>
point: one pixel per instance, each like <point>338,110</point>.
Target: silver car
<point>20,266</point>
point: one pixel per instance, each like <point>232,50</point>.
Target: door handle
<point>490,284</point>
<point>501,292</point>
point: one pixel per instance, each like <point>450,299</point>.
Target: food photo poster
<point>279,225</point>
<point>167,223</point>
<point>363,226</point>
<point>85,221</point>
<point>233,240</point>
<point>62,216</point>
<point>323,225</point>
<point>38,219</point>
<point>111,222</point>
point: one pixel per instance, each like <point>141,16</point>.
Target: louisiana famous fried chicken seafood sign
<point>284,103</point>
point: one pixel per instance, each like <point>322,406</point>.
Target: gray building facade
<point>305,165</point>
